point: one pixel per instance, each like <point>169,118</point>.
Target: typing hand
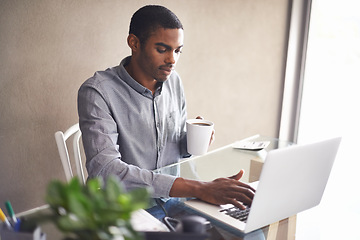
<point>228,190</point>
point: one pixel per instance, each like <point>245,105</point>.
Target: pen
<point>4,219</point>
<point>11,211</point>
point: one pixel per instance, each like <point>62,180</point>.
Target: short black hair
<point>149,18</point>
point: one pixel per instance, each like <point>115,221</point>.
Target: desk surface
<point>227,161</point>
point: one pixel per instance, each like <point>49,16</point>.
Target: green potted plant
<point>95,210</point>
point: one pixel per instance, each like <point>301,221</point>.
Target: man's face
<point>159,55</point>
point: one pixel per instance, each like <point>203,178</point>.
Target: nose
<point>171,58</point>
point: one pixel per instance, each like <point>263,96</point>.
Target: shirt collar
<point>124,75</point>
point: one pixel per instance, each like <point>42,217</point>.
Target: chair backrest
<point>61,139</point>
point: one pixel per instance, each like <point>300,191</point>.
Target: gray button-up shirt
<point>127,131</point>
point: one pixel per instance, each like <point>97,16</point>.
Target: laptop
<point>292,180</point>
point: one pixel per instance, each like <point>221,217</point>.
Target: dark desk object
<point>189,227</point>
<point>174,236</point>
<point>51,232</point>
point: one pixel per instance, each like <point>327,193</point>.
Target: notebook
<point>292,180</point>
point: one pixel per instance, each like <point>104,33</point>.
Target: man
<point>132,116</point>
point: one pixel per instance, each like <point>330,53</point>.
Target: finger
<point>243,188</point>
<point>212,139</point>
<point>199,117</point>
<point>237,204</point>
<point>243,192</point>
<point>243,199</point>
<point>245,195</point>
<point>246,186</point>
<point>239,175</point>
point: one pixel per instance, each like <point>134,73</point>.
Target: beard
<point>164,72</point>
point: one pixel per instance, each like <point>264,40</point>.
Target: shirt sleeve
<point>99,136</point>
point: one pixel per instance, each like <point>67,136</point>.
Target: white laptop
<point>292,180</point>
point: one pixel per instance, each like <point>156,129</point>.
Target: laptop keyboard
<point>237,213</point>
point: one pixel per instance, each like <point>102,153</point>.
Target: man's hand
<point>228,190</point>
<point>218,191</point>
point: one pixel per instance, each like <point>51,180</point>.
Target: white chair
<point>61,139</point>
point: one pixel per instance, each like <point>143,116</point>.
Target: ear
<point>133,42</point>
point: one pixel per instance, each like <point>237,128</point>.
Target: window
<point>330,107</point>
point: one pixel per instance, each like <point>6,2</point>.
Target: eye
<point>161,50</point>
<point>178,51</point>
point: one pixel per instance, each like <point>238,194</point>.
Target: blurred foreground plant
<point>94,211</point>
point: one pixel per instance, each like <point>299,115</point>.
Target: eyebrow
<point>167,46</point>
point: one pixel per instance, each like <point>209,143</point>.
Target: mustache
<point>171,66</point>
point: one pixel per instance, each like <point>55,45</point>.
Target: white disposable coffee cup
<point>198,135</point>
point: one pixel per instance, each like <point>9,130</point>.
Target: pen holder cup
<point>35,234</point>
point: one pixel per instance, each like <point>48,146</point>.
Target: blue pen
<point>4,219</point>
<point>17,225</point>
<point>11,211</point>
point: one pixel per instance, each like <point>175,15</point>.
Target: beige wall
<point>232,69</point>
